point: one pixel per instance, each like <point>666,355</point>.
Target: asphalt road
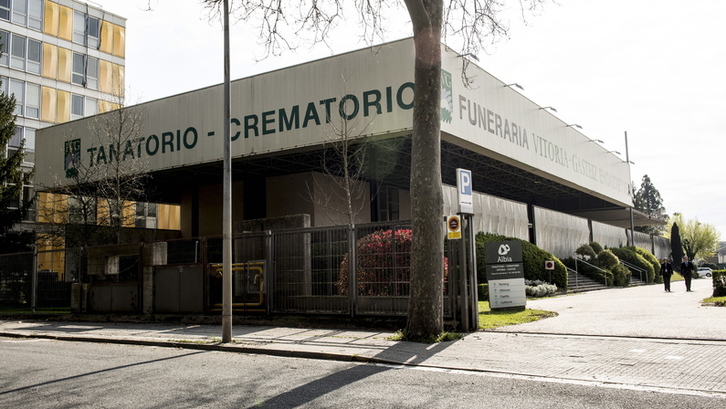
<point>41,373</point>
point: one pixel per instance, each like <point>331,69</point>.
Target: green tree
<point>699,240</point>
<point>282,23</point>
<point>12,178</point>
<point>647,199</point>
<point>676,246</point>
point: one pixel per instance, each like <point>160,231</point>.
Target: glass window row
<point>26,13</point>
<point>26,55</point>
<point>28,98</point>
<point>20,52</point>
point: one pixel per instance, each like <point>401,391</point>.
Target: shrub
<point>629,255</point>
<point>607,259</point>
<point>596,247</point>
<point>538,288</point>
<point>533,260</point>
<point>384,264</point>
<point>649,257</point>
<point>621,275</point>
<point>483,291</point>
<point>586,251</point>
<point>719,283</point>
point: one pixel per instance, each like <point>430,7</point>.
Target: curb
<point>236,348</point>
<point>211,346</point>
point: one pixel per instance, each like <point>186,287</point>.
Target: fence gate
<point>179,289</point>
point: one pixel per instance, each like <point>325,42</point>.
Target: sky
<point>656,70</point>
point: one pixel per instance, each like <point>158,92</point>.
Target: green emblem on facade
<point>447,97</point>
<point>72,154</point>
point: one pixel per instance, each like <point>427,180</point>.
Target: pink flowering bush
<point>384,264</point>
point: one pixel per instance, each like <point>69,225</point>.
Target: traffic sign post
<point>453,226</point>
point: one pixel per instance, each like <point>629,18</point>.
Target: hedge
<point>533,259</point>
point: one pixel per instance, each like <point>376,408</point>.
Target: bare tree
<point>344,161</point>
<point>471,22</point>
<point>96,198</point>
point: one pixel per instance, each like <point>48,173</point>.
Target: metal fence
<point>360,270</point>
<point>22,286</point>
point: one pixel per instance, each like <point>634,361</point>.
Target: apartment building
<point>63,60</point>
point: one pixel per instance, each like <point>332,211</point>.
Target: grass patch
<point>400,335</point>
<point>717,301</point>
<point>492,319</point>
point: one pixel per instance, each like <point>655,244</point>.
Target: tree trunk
<point>425,312</point>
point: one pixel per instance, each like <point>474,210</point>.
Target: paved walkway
<point>636,337</point>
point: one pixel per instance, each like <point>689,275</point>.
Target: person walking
<point>686,271</point>
<point>666,270</point>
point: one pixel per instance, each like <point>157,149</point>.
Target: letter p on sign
<point>464,185</point>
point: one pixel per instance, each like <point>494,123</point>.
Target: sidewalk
<point>637,337</point>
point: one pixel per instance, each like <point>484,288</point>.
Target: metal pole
<point>471,271</point>
<point>227,192</point>
<point>632,223</point>
<point>34,291</point>
<point>465,311</point>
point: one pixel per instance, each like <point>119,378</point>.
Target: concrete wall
<point>317,194</point>
<point>492,214</point>
<point>559,233</point>
<point>608,236</point>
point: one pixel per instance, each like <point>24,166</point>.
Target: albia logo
<point>504,249</point>
<point>447,97</point>
<point>72,154</point>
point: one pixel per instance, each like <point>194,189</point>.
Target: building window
<point>17,88</point>
<point>17,139</point>
<point>17,52</point>
<point>79,69</point>
<point>79,28</point>
<point>24,12</point>
<point>77,105</point>
<point>86,30</point>
<point>34,52</point>
<point>4,41</point>
<point>20,52</point>
<point>90,107</point>
<point>20,12</point>
<point>32,101</point>
<point>146,215</point>
<point>85,71</point>
<point>5,9</point>
<point>83,106</point>
<point>27,96</point>
<point>35,14</point>
<point>387,204</point>
<point>81,210</point>
<point>29,141</point>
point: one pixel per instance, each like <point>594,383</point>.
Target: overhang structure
<point>284,122</point>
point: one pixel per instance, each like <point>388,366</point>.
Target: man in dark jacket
<point>666,270</point>
<point>686,271</point>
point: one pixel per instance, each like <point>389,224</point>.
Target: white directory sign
<point>505,274</point>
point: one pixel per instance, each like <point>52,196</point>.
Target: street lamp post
<point>227,193</point>
<point>632,223</point>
